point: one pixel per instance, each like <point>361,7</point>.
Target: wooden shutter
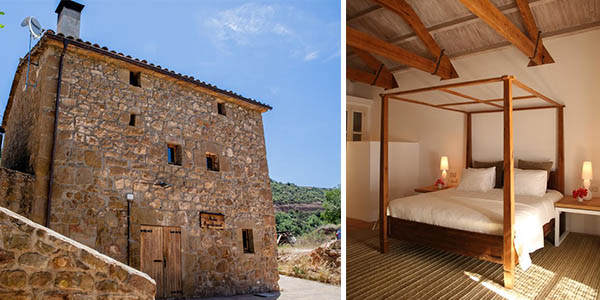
<point>172,250</point>
<point>151,255</point>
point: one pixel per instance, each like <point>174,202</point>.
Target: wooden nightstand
<point>571,205</point>
<point>430,188</point>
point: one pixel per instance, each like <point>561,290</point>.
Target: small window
<point>248,240</point>
<point>174,154</point>
<point>132,120</point>
<point>355,126</point>
<point>221,108</point>
<point>134,78</point>
<point>212,162</point>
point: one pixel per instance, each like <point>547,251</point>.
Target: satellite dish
<point>34,27</point>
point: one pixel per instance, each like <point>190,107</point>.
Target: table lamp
<point>586,175</point>
<point>444,167</point>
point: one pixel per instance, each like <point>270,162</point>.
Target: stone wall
<point>38,263</point>
<point>16,191</point>
<point>100,158</point>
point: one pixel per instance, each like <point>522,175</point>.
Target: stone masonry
<point>100,158</point>
<point>38,263</point>
<point>16,191</point>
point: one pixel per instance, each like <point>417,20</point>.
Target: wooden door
<point>172,250</point>
<point>151,255</point>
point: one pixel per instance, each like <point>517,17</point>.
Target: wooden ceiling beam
<point>363,41</point>
<point>369,78</point>
<point>491,15</point>
<point>533,32</point>
<point>408,14</point>
<point>385,78</point>
<point>363,13</point>
<point>455,93</point>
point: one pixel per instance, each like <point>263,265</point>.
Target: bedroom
<point>420,135</point>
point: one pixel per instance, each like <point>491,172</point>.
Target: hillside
<point>289,193</point>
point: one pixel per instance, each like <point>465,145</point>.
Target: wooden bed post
<point>469,158</point>
<point>560,149</point>
<point>383,176</point>
<point>508,253</point>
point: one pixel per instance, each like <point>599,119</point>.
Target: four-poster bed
<point>495,248</point>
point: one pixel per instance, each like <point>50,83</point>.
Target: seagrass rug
<point>409,271</point>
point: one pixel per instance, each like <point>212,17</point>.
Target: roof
<point>456,29</point>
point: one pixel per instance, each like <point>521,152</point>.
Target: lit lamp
<point>586,175</point>
<point>444,167</point>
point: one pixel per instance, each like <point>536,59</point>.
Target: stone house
<point>153,168</point>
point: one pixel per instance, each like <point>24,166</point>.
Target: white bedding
<point>481,212</point>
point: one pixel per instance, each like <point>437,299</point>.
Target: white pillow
<point>477,180</point>
<point>531,182</point>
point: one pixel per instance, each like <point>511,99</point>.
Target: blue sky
<point>283,53</point>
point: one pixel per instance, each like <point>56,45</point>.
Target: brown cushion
<point>535,165</point>
<point>499,170</point>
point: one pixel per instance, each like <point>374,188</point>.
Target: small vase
<point>440,186</point>
<point>579,199</point>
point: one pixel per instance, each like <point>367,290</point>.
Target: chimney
<point>69,16</point>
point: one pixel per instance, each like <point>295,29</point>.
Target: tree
<point>333,206</point>
<point>1,14</point>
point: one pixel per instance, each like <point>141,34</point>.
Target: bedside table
<point>430,188</point>
<point>571,205</point>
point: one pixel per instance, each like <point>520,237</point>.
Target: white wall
<point>362,176</point>
<point>573,80</point>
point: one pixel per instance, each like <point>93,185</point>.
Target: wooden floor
<point>408,271</point>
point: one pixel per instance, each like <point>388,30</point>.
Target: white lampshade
<point>444,163</point>
<point>586,171</point>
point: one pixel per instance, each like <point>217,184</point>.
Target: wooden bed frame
<point>496,248</point>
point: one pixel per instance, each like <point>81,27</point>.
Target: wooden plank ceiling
<point>397,34</point>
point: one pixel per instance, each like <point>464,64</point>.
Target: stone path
<point>295,288</point>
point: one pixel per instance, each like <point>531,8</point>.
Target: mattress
<point>483,213</point>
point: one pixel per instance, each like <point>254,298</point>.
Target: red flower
<point>580,193</point>
<point>440,181</point>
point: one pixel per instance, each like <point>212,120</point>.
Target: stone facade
<point>100,158</point>
<point>38,263</point>
<point>16,191</point>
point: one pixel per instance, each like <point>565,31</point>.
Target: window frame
<point>177,154</point>
<point>132,119</point>
<point>135,78</point>
<point>214,165</point>
<point>221,109</point>
<point>247,241</point>
<point>364,106</point>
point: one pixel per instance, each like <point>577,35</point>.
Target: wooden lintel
<point>371,44</point>
<point>408,14</point>
<point>455,93</point>
<point>533,32</point>
<point>491,15</point>
<point>383,77</point>
<point>425,103</point>
<point>508,249</point>
<point>370,79</point>
<point>538,94</point>
<point>446,86</point>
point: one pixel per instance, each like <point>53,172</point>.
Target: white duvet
<point>481,212</point>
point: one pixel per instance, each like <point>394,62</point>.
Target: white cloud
<point>311,55</point>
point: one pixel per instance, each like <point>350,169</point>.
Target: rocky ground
<point>321,264</point>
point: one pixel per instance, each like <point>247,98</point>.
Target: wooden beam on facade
<point>533,32</point>
<point>384,77</point>
<point>426,104</point>
<point>408,14</point>
<point>490,14</point>
<point>363,41</point>
<point>370,79</point>
<point>455,93</point>
<point>383,176</point>
<point>508,252</point>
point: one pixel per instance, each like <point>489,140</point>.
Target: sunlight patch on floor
<point>528,284</point>
<point>567,288</point>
